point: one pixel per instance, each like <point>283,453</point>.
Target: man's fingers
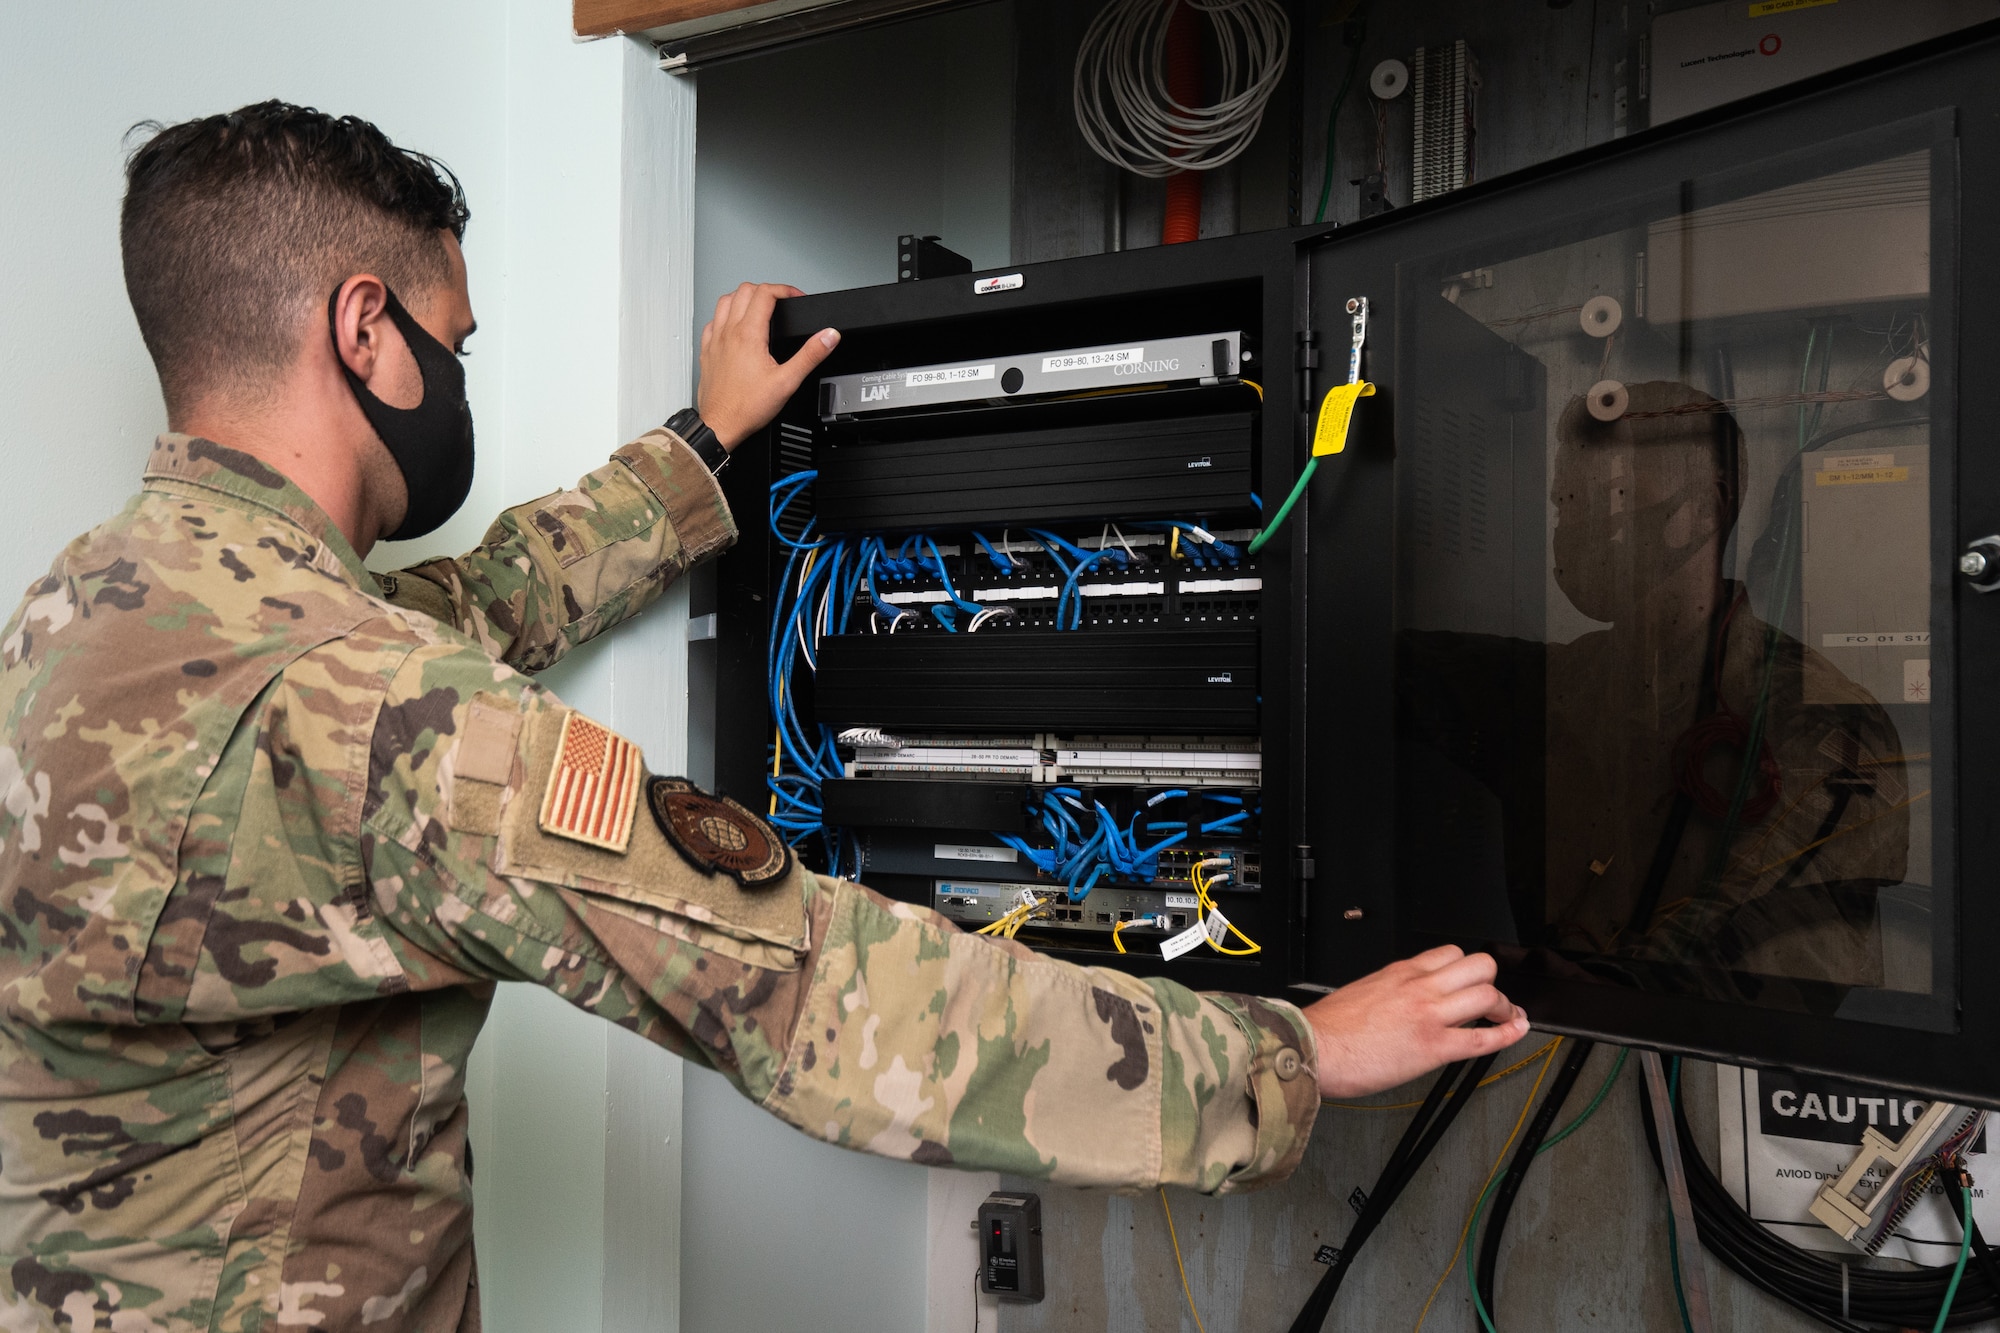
<point>762,302</point>
<point>1462,1006</point>
<point>1471,1043</point>
<point>1430,960</point>
<point>721,307</point>
<point>807,359</point>
<point>740,299</point>
<point>1472,970</point>
<point>786,289</point>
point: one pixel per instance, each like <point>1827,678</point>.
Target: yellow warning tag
<point>1336,413</point>
<point>1862,476</point>
<point>1762,8</point>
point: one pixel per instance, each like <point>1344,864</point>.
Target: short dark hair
<point>238,227</point>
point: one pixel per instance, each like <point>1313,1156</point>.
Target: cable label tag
<point>1181,943</point>
<point>1216,926</point>
<point>1029,898</point>
<point>1122,356</point>
<point>947,375</point>
<point>948,851</point>
<point>1336,414</point>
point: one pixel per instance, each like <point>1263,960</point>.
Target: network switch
<point>1205,358</point>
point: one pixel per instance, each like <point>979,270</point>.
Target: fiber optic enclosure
<point>1640,634</point>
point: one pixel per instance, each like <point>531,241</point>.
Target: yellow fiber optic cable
<point>1478,1194</point>
<point>1492,1078</point>
<point>1185,1289</point>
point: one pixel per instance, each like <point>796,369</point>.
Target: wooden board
<point>600,18</point>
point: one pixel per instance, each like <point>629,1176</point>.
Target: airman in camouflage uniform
<point>268,834</point>
<point>271,827</point>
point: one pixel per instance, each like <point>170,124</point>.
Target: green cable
<point>1604,1090</point>
<point>1278,521</point>
<point>1964,1248</point>
<point>1673,1232</point>
<point>1353,64</point>
<point>1472,1235</point>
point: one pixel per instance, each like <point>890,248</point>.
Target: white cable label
<point>949,375</point>
<point>1015,594</point>
<point>1217,927</point>
<point>946,851</point>
<point>1123,356</point>
<point>1181,943</point>
<point>1029,898</point>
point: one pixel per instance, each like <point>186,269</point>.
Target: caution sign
<point>1786,1134</point>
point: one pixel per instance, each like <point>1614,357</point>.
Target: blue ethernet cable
<point>1001,560</point>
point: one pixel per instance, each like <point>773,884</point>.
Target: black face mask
<point>431,442</point>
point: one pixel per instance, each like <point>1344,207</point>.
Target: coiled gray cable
<point>1125,111</point>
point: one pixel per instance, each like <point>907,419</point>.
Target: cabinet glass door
<point>1688,725</point>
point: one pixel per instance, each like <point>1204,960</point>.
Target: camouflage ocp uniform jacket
<point>269,832</point>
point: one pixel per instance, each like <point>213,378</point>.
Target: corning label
<point>1885,639</point>
<point>1190,938</point>
<point>950,375</point>
<point>946,851</point>
<point>986,286</point>
<point>1849,462</point>
<point>1123,356</point>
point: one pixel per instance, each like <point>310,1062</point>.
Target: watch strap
<point>694,432</point>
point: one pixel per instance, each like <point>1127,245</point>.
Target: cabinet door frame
<point>1349,576</point>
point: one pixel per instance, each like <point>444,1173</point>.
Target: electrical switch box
<point>1010,1247</point>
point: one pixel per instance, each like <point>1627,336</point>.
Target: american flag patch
<point>594,786</point>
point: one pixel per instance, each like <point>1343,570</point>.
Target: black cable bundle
<point>1839,1295</point>
<point>1524,1156</point>
<point>1447,1097</point>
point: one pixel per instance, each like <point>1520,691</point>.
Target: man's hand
<point>1406,1020</point>
<point>742,388</point>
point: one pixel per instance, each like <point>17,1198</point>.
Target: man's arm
<point>872,1024</point>
<point>556,571</point>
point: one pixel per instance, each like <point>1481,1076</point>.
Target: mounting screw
<point>1980,562</point>
<point>1351,914</point>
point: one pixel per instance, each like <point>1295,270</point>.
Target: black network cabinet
<point>1637,636</point>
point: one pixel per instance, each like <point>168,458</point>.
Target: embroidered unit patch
<point>717,834</point>
<point>593,786</point>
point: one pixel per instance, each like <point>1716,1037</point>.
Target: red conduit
<point>1182,221</point>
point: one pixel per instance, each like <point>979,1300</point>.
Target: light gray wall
<point>553,141</point>
<point>809,164</point>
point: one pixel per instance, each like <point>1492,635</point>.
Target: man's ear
<point>361,325</point>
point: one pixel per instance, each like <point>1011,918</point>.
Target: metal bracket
<point>1687,1244</point>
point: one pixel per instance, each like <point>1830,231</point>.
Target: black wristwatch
<point>687,424</point>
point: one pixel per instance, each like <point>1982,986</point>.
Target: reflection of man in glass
<point>1605,779</point>
<point>1716,792</point>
